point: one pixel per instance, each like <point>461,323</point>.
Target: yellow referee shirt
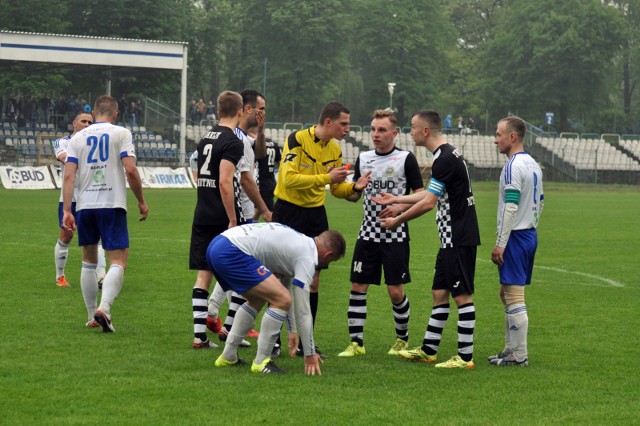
<point>304,170</point>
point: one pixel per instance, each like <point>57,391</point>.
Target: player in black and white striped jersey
<point>397,172</point>
<point>450,190</point>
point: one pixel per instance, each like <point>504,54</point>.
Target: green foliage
<point>576,58</point>
<point>582,329</point>
<point>555,61</point>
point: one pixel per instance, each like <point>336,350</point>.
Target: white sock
<point>89,285</point>
<point>215,300</point>
<point>61,252</point>
<point>111,287</point>
<point>269,331</point>
<point>507,333</point>
<point>518,329</point>
<point>101,270</point>
<point>244,322</point>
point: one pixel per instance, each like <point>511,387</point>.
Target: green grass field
<point>583,334</point>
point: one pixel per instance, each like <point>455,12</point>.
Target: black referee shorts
<point>310,221</point>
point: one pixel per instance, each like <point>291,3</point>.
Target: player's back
<point>219,144</point>
<point>98,151</point>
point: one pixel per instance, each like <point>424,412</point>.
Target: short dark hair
<point>332,111</point>
<point>335,242</point>
<point>432,117</point>
<point>517,125</point>
<point>229,103</point>
<point>250,97</point>
<point>382,113</point>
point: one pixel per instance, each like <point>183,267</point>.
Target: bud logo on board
<point>26,177</point>
<point>18,177</point>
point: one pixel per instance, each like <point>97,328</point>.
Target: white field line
<point>608,281</point>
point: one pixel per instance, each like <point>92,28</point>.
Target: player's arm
<point>227,168</point>
<point>250,187</point>
<point>422,202</point>
<point>396,209</point>
<point>506,223</point>
<point>193,164</point>
<point>305,326</point>
<point>260,144</point>
<point>135,183</point>
<point>68,182</point>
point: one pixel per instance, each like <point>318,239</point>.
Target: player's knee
<point>396,293</point>
<point>514,294</point>
<point>66,236</point>
<point>281,301</point>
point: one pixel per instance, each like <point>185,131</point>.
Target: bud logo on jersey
<point>383,184</point>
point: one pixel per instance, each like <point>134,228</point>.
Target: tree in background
<point>551,56</point>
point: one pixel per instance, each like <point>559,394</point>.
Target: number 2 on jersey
<point>99,147</point>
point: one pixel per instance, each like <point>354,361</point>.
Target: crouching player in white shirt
<point>247,259</point>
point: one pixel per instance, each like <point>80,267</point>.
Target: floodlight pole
<point>391,87</point>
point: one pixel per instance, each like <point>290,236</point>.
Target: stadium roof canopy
<point>101,51</point>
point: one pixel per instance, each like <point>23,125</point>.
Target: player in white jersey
<point>61,250</point>
<point>98,157</point>
<point>395,171</point>
<point>520,203</point>
<point>253,115</point>
<point>247,259</point>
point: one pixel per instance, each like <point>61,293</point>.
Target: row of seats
<point>5,125</point>
<point>589,154</point>
<point>632,145</point>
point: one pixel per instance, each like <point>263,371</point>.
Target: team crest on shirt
<point>389,171</point>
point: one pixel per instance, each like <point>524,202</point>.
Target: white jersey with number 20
<point>100,179</point>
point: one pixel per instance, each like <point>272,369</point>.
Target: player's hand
<point>384,199</point>
<point>144,211</point>
<point>391,211</point>
<point>363,181</point>
<point>389,222</point>
<point>68,221</point>
<point>339,174</point>
<point>293,344</point>
<point>233,222</point>
<point>497,255</point>
<point>267,215</point>
<point>261,116</point>
<point>312,365</point>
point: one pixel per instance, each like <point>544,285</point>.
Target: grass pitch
<point>583,309</point>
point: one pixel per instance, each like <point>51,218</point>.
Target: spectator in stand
<point>122,108</point>
<point>460,125</point>
<point>211,111</point>
<point>447,122</point>
<point>11,110</point>
<point>131,114</point>
<point>202,109</point>
<point>193,112</point>
<point>139,112</point>
<point>21,121</point>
